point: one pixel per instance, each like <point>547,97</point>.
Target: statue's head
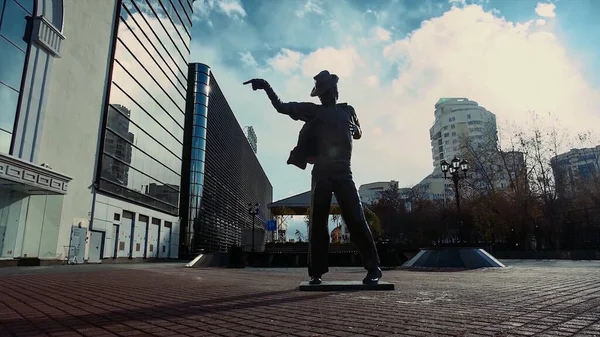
<point>325,87</point>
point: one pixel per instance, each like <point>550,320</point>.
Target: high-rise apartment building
<point>456,120</point>
<point>462,128</point>
<point>93,98</point>
<point>576,169</point>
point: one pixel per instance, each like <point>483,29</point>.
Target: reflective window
<point>199,155</point>
<point>5,139</point>
<point>137,23</point>
<point>203,78</point>
<point>199,143</point>
<point>9,98</point>
<point>13,47</point>
<point>201,109</point>
<point>143,139</point>
<point>14,24</point>
<point>137,56</point>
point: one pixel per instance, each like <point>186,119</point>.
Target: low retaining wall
<point>548,255</point>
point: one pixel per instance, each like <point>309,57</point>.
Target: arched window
<point>14,44</point>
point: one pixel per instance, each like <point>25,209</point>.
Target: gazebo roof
<point>297,205</point>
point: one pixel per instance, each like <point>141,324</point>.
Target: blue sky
<point>395,59</point>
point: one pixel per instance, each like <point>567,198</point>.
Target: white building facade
<point>91,129</point>
<point>456,118</point>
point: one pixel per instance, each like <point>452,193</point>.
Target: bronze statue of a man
<point>333,128</point>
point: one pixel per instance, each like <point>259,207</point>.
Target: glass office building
<point>223,175</point>
<point>142,136</point>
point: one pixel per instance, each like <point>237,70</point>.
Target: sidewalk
<point>173,301</point>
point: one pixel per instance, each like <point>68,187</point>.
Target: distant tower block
<point>251,136</point>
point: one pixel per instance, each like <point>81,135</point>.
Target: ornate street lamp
<point>253,210</point>
<point>454,168</point>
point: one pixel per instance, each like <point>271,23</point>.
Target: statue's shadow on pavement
<point>191,309</point>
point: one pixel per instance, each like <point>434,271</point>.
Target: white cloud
<point>310,6</point>
<point>248,60</point>
<point>540,22</point>
<point>286,61</point>
<point>507,67</point>
<point>382,34</point>
<point>372,81</point>
<point>545,10</point>
<point>231,8</point>
<point>341,61</point>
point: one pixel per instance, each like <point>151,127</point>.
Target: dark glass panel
<point>201,69</point>
<point>8,107</point>
<point>14,24</point>
<point>12,61</point>
<point>165,98</point>
<point>198,143</point>
<point>200,120</point>
<point>27,4</point>
<point>202,78</point>
<point>128,85</point>
<point>200,110</point>
<point>5,139</point>
<point>199,132</point>
<point>198,154</point>
<point>201,99</point>
<point>151,143</point>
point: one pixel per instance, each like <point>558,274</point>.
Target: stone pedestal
<point>453,258</point>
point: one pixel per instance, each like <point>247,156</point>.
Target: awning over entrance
<point>297,205</point>
<point>23,176</point>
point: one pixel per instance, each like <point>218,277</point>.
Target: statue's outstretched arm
<point>297,111</point>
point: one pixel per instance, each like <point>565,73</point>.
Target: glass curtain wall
<point>194,154</point>
<point>143,134</point>
<point>15,33</point>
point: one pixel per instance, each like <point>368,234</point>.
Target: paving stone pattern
<point>174,301</point>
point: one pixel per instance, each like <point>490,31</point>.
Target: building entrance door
<point>115,237</point>
<point>95,251</point>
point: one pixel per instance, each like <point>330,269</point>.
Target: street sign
<point>271,225</point>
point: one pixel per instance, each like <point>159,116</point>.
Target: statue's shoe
<point>315,280</point>
<point>373,276</point>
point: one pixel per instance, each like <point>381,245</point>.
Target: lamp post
<point>454,168</point>
<point>253,210</point>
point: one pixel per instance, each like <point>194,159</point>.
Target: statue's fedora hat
<point>323,82</point>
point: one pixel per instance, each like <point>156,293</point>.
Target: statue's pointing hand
<point>257,83</point>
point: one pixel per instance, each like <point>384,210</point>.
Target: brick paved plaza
<point>528,298</point>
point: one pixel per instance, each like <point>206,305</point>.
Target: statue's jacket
<point>306,147</point>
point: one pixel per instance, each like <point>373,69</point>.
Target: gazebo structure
<point>295,205</point>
